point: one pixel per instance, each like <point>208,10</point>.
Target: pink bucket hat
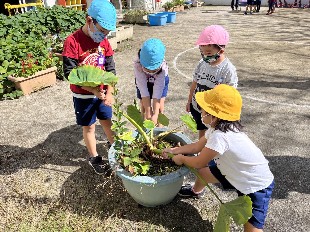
<point>213,34</point>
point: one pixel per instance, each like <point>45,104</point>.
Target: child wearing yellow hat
<point>239,163</point>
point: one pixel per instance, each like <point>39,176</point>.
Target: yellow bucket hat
<point>223,102</point>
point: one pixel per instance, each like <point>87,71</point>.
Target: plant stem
<point>140,130</point>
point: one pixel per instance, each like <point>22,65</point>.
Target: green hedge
<point>26,41</point>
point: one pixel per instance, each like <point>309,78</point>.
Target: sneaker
<point>187,191</point>
<point>101,167</point>
<point>245,13</point>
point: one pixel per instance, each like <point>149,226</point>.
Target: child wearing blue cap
<point>151,76</point>
<point>89,46</point>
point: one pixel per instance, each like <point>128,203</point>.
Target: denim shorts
<point>197,117</point>
<point>87,110</point>
<point>260,199</point>
<point>150,89</point>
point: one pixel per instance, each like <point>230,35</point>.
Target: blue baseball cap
<point>104,13</point>
<point>152,54</point>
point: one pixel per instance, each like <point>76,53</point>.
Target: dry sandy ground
<point>46,183</point>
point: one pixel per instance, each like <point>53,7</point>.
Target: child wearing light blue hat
<point>89,46</point>
<point>151,77</point>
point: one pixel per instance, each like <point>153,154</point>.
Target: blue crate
<point>157,19</point>
<point>171,16</point>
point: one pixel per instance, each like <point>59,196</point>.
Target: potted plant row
<point>174,6</point>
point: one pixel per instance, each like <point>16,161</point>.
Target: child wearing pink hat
<point>214,68</point>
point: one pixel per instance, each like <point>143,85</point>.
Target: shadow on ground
<point>88,194</point>
<point>61,148</point>
<point>105,198</point>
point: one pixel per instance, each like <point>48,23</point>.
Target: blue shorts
<point>87,110</point>
<point>150,88</point>
<point>197,117</point>
<point>260,199</point>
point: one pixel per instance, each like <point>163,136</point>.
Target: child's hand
<point>99,93</point>
<point>166,151</point>
<point>178,159</point>
<point>109,99</point>
<point>188,109</point>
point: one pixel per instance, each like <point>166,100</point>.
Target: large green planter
<point>151,191</point>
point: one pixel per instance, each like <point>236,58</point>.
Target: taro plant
<point>139,152</point>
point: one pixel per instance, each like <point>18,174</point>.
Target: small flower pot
<point>39,80</point>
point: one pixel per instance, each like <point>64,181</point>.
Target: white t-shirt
<point>239,160</point>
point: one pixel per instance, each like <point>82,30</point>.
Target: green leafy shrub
<point>45,30</point>
<point>135,16</point>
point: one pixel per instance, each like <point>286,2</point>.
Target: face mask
<point>210,59</point>
<point>97,35</point>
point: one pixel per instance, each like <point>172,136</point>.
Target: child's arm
<point>192,148</point>
<point>109,65</point>
<point>190,96</point>
<point>156,106</point>
<point>109,99</point>
<point>68,64</point>
<point>146,103</point>
<point>96,91</point>
<point>200,161</point>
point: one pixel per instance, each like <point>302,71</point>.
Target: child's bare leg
<point>248,227</point>
<point>106,125</point>
<point>90,139</point>
<point>162,105</point>
<point>206,174</point>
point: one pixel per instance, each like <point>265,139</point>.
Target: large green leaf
<point>134,113</point>
<point>239,209</point>
<point>127,136</point>
<point>88,75</point>
<point>222,221</point>
<point>162,119</point>
<point>149,124</point>
<point>189,122</point>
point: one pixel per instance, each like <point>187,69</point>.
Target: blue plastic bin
<point>171,16</point>
<point>157,19</point>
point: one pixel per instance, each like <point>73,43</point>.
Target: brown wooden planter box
<point>39,80</point>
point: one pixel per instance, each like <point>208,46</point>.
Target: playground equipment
<point>10,7</point>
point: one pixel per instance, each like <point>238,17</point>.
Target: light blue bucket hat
<point>104,13</point>
<point>152,54</point>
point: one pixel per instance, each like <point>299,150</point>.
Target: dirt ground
<point>46,184</point>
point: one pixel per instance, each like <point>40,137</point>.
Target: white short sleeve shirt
<point>239,160</point>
